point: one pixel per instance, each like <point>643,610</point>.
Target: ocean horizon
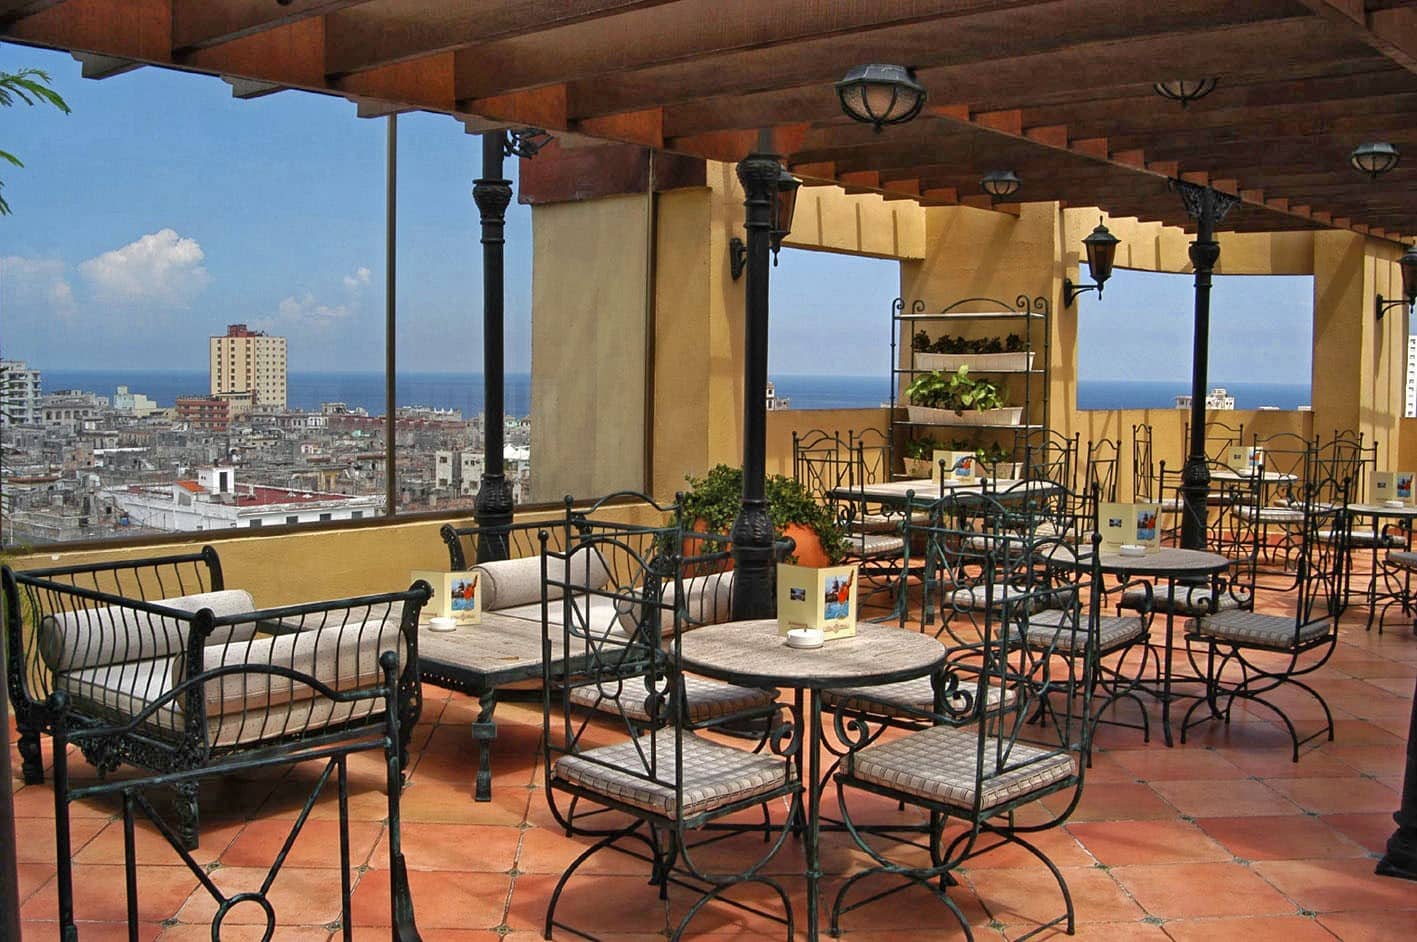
<point>306,390</point>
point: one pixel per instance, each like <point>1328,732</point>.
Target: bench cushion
<point>253,705</point>
<point>92,637</point>
<point>708,600</point>
<point>509,583</point>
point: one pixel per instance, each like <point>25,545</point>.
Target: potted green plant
<point>920,456</point>
<point>984,354</point>
<point>938,398</point>
<point>712,502</point>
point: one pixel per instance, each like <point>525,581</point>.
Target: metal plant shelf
<point>975,369</point>
<point>905,422</point>
<point>976,315</point>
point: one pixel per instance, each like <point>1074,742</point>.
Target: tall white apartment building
<point>19,393</point>
<point>1411,410</point>
<point>249,361</point>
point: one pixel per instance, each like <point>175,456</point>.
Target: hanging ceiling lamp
<point>879,94</point>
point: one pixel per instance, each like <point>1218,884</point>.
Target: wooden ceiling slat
<point>134,29</point>
<point>539,107</point>
<point>639,127</point>
<point>426,82</point>
<point>396,30</point>
<point>197,24</point>
<point>291,54</point>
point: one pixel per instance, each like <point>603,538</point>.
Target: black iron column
<point>1207,207</point>
<point>492,193</point>
<point>1401,857</point>
<point>753,530</point>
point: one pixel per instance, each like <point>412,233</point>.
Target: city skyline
<point>199,210</point>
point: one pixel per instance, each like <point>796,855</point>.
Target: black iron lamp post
<point>880,94</point>
<point>1401,857</point>
<point>753,531</point>
<point>1101,248</point>
<point>784,206</point>
<point>492,193</point>
<point>1374,158</point>
<point>1207,207</point>
<point>1408,264</point>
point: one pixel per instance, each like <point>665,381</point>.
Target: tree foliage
<point>30,86</point>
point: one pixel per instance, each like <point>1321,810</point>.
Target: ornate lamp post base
<point>1401,857</point>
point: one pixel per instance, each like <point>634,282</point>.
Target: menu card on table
<point>1129,525</point>
<point>1245,460</point>
<point>1393,485</point>
<point>956,467</point>
<point>455,595</point>
<point>812,597</point>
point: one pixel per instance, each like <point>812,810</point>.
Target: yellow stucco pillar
<point>588,341</point>
<point>698,332</point>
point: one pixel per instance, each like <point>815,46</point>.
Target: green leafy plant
<point>957,391</point>
<point>30,86</point>
<point>920,342</point>
<point>921,449</point>
<point>716,497</point>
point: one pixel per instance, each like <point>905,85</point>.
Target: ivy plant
<point>957,391</point>
<point>716,497</point>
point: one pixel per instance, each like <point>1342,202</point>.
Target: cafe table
<point>751,653</point>
<point>1189,568</point>
<point>1376,513</point>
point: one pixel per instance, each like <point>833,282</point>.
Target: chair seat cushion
<point>1190,600</point>
<point>1402,559</point>
<point>976,597</point>
<point>1257,629</point>
<point>912,697</point>
<point>1363,536</point>
<point>869,545</point>
<point>705,699</point>
<point>1049,630</point>
<point>940,764</point>
<point>714,775</point>
<point>1281,516</point>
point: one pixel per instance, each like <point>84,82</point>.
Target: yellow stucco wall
<point>588,343</point>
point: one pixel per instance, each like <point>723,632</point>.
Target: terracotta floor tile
<point>38,845</point>
<point>301,896</point>
<point>317,845</point>
<point>231,932</point>
<point>1120,801</point>
<point>461,847</point>
<point>32,876</point>
<point>1249,928</point>
<point>1205,798</point>
<point>1181,763</point>
<point>1061,846</point>
<point>1108,767</point>
<point>597,902</point>
<point>99,894</point>
<point>1369,830</point>
<point>1098,932</point>
<point>1279,763</point>
<point>1338,795</point>
<point>1330,885</point>
<point>1363,733</point>
<point>152,848</point>
<point>1117,843</point>
<point>1031,895</point>
<point>1268,838</point>
<point>1380,926</point>
<point>1179,891</point>
<point>445,900</point>
<point>96,931</point>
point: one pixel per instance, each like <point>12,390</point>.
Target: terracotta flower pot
<point>809,550</point>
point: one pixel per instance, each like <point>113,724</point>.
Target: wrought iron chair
<point>668,780</point>
<point>1100,472</point>
<point>1249,655</point>
<point>1144,487</point>
<point>114,639</point>
<point>1048,455</point>
<point>979,763</point>
<point>1220,437</point>
<point>372,690</point>
<point>1288,460</point>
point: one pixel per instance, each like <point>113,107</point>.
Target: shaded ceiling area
<point>1058,92</point>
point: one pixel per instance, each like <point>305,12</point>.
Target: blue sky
<point>163,209</point>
